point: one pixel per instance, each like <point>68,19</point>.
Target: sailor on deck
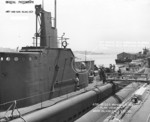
<point>76,79</point>
<point>102,74</point>
<point>120,73</point>
<point>113,67</point>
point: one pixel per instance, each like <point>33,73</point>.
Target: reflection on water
<point>103,59</point>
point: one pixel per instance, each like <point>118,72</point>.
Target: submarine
<point>40,73</point>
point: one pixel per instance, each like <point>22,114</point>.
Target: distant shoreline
<point>88,53</point>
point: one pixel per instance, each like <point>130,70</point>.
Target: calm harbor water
<point>102,59</point>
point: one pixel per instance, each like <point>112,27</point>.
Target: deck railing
<point>117,76</point>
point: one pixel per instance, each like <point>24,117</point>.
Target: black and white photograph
<point>74,60</point>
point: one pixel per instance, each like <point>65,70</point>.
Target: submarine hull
<point>33,77</point>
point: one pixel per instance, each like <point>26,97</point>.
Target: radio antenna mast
<point>55,14</point>
<point>43,4</point>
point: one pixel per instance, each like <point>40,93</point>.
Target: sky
<point>93,25</point>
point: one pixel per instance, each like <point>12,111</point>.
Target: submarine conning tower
<point>40,72</point>
<point>46,31</point>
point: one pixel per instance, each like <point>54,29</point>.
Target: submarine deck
<point>139,112</point>
<point>91,86</point>
<point>53,101</point>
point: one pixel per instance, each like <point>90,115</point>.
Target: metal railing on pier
<point>127,77</point>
